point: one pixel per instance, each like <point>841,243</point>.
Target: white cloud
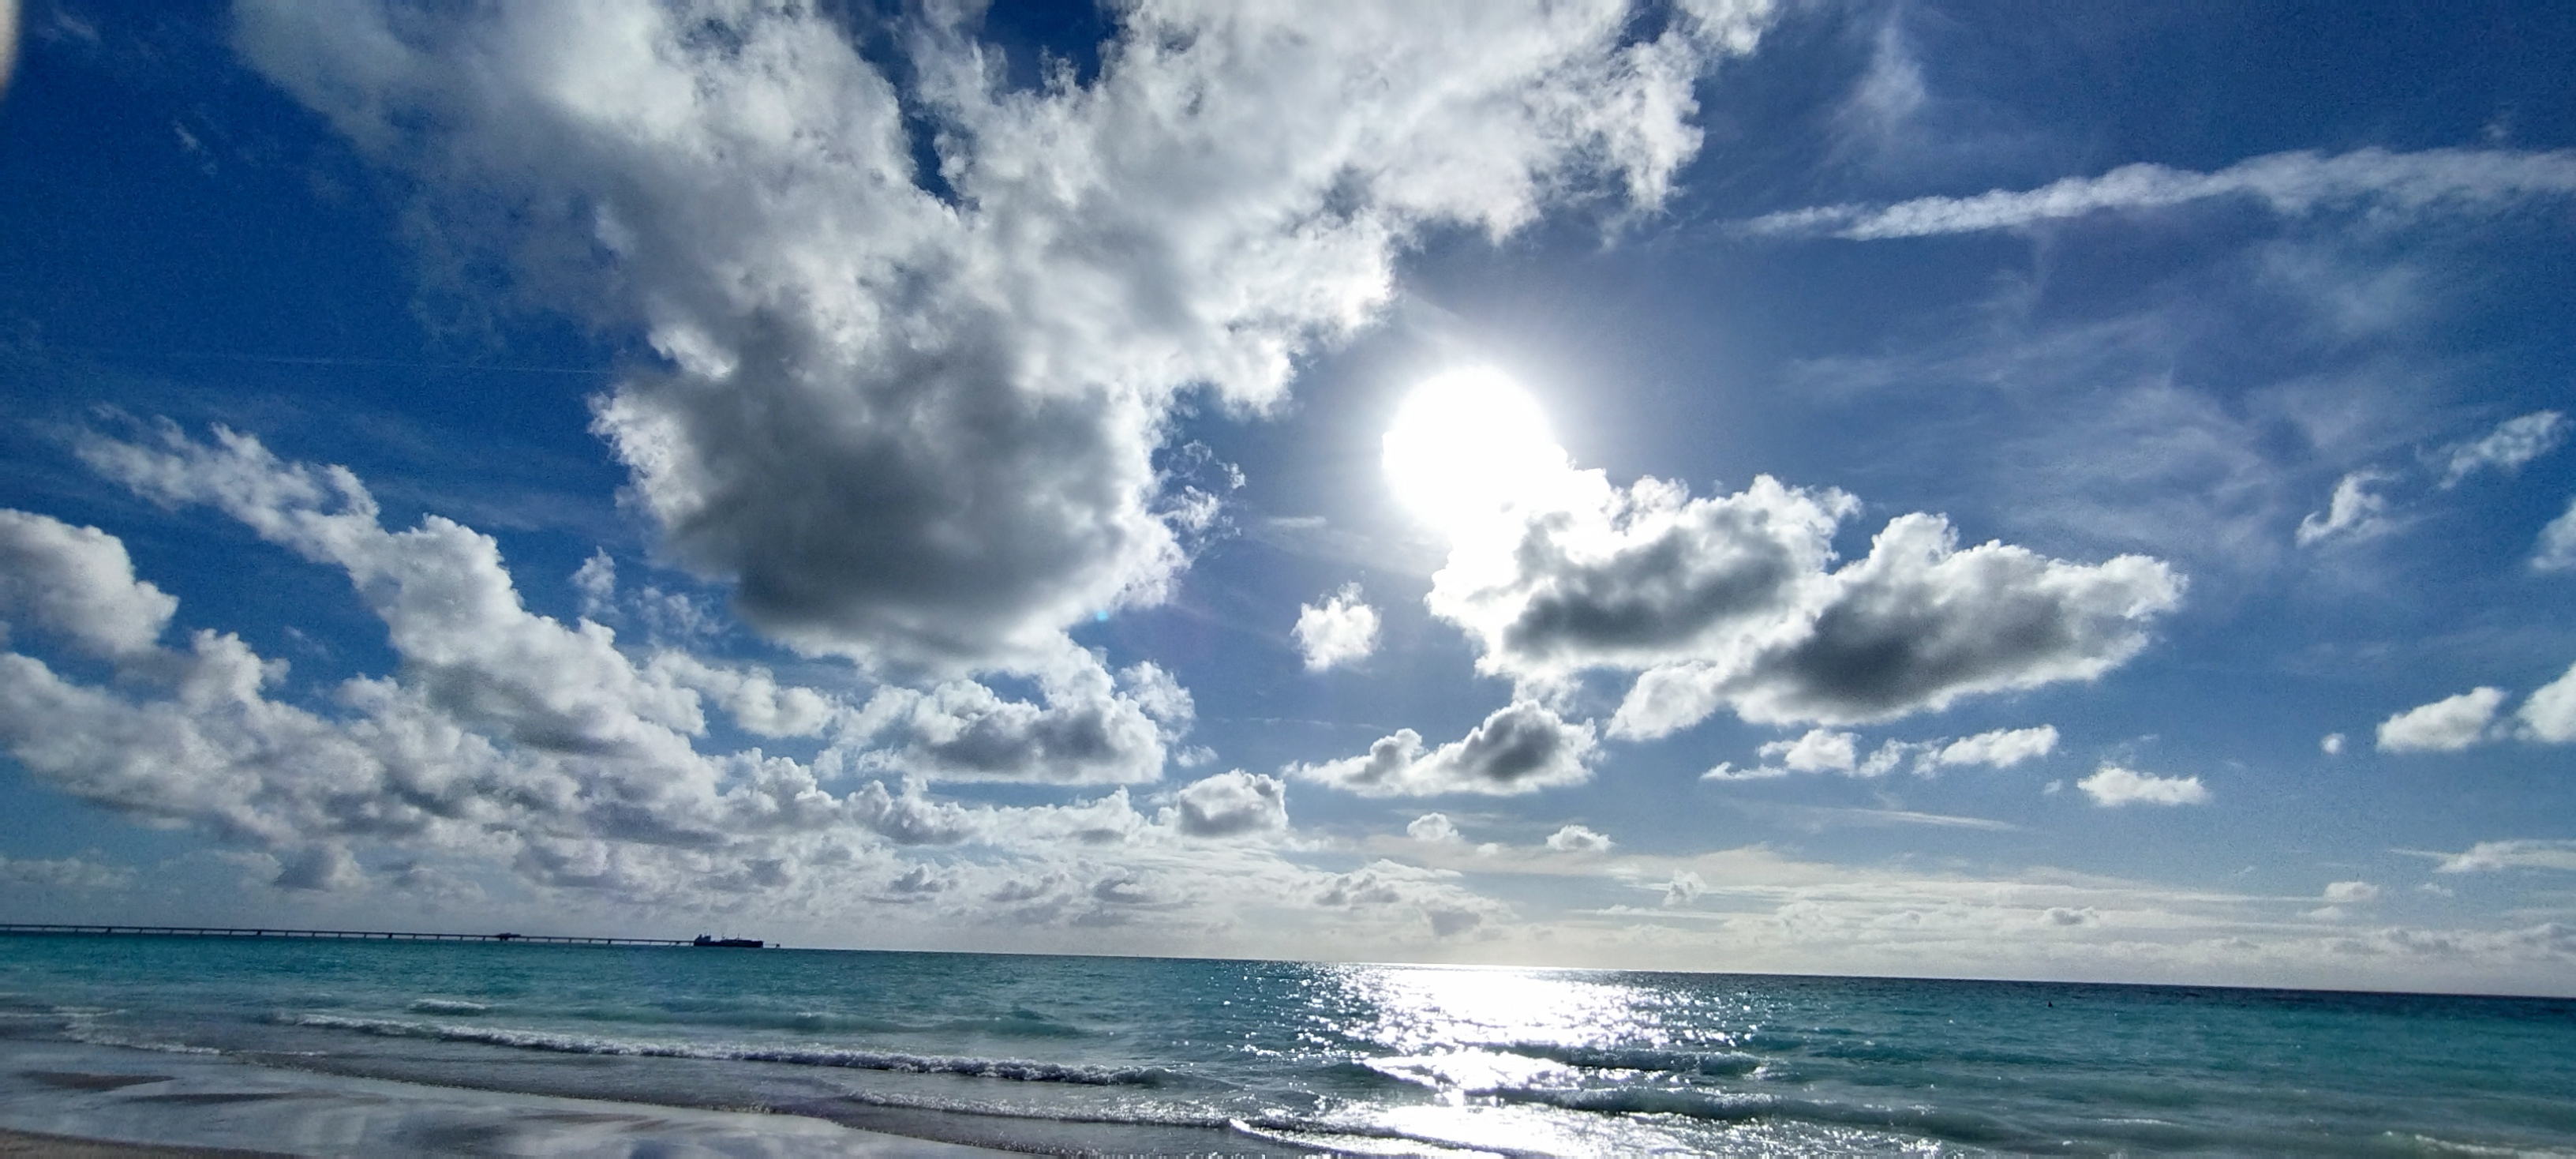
<point>2112,786</point>
<point>2290,184</point>
<point>1522,747</point>
<point>1820,750</point>
<point>1387,888</point>
<point>1432,827</point>
<point>2331,744</point>
<point>751,695</point>
<point>596,581</point>
<point>1828,751</point>
<point>1888,94</point>
<point>2002,748</point>
<point>1683,888</point>
<point>1578,839</point>
<point>913,420</point>
<point>2494,855</point>
<point>1342,630</point>
<point>511,739</point>
<point>2549,715</point>
<point>1232,804</point>
<point>2513,443</point>
<point>2446,725</point>
<point>77,581</point>
<point>1090,727</point>
<point>63,873</point>
<point>2354,512</point>
<point>2351,892</point>
<point>2556,549</point>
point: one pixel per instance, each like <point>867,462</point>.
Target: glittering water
<point>1156,1054</point>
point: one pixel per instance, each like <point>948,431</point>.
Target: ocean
<point>1122,1055</point>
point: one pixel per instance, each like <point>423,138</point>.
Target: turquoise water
<point>1069,1054</point>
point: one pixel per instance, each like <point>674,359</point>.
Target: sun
<point>1467,446</point>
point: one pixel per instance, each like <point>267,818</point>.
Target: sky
<point>1894,487</point>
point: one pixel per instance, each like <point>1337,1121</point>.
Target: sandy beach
<point>67,1147</point>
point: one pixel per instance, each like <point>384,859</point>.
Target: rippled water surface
<point>1075,1053</point>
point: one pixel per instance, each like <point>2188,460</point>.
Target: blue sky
<point>1996,490</point>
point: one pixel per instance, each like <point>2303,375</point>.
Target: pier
<point>341,935</point>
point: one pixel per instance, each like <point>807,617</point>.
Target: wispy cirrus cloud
<point>2511,444</point>
<point>2488,856</point>
<point>2289,184</point>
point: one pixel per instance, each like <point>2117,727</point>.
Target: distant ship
<point>729,943</point>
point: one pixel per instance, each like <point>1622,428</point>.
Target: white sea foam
<point>1021,1070</point>
<point>449,1006</point>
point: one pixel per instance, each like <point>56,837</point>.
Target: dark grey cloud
<point>1920,623</point>
<point>1522,747</point>
<point>1708,568</point>
<point>1733,602</point>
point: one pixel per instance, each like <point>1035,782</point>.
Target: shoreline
<point>97,1101</point>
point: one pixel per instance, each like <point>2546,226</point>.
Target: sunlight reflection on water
<point>1414,1009</point>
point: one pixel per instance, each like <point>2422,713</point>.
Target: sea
<point>342,1047</point>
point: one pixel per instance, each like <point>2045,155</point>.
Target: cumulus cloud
<point>1232,804</point>
<point>2112,786</point>
<point>1088,728</point>
<point>1732,602</point>
<point>2556,549</point>
<point>2487,856</point>
<point>2331,744</point>
<point>507,738</point>
<point>2355,512</point>
<point>63,873</point>
<point>320,869</point>
<point>2446,725</point>
<point>1820,750</point>
<point>1431,895</point>
<point>2549,715</point>
<point>1683,888</point>
<point>1578,839</point>
<point>2513,443</point>
<point>2351,892</point>
<point>1432,827</point>
<point>79,583</point>
<point>1521,748</point>
<point>2289,184</point>
<point>911,417</point>
<point>1342,630</point>
<point>1825,750</point>
<point>2002,749</point>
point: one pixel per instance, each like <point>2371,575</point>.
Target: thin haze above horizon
<point>1843,486</point>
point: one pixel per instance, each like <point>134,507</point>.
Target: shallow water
<point>1156,1054</point>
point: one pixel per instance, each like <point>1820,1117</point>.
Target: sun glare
<point>1468,444</point>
